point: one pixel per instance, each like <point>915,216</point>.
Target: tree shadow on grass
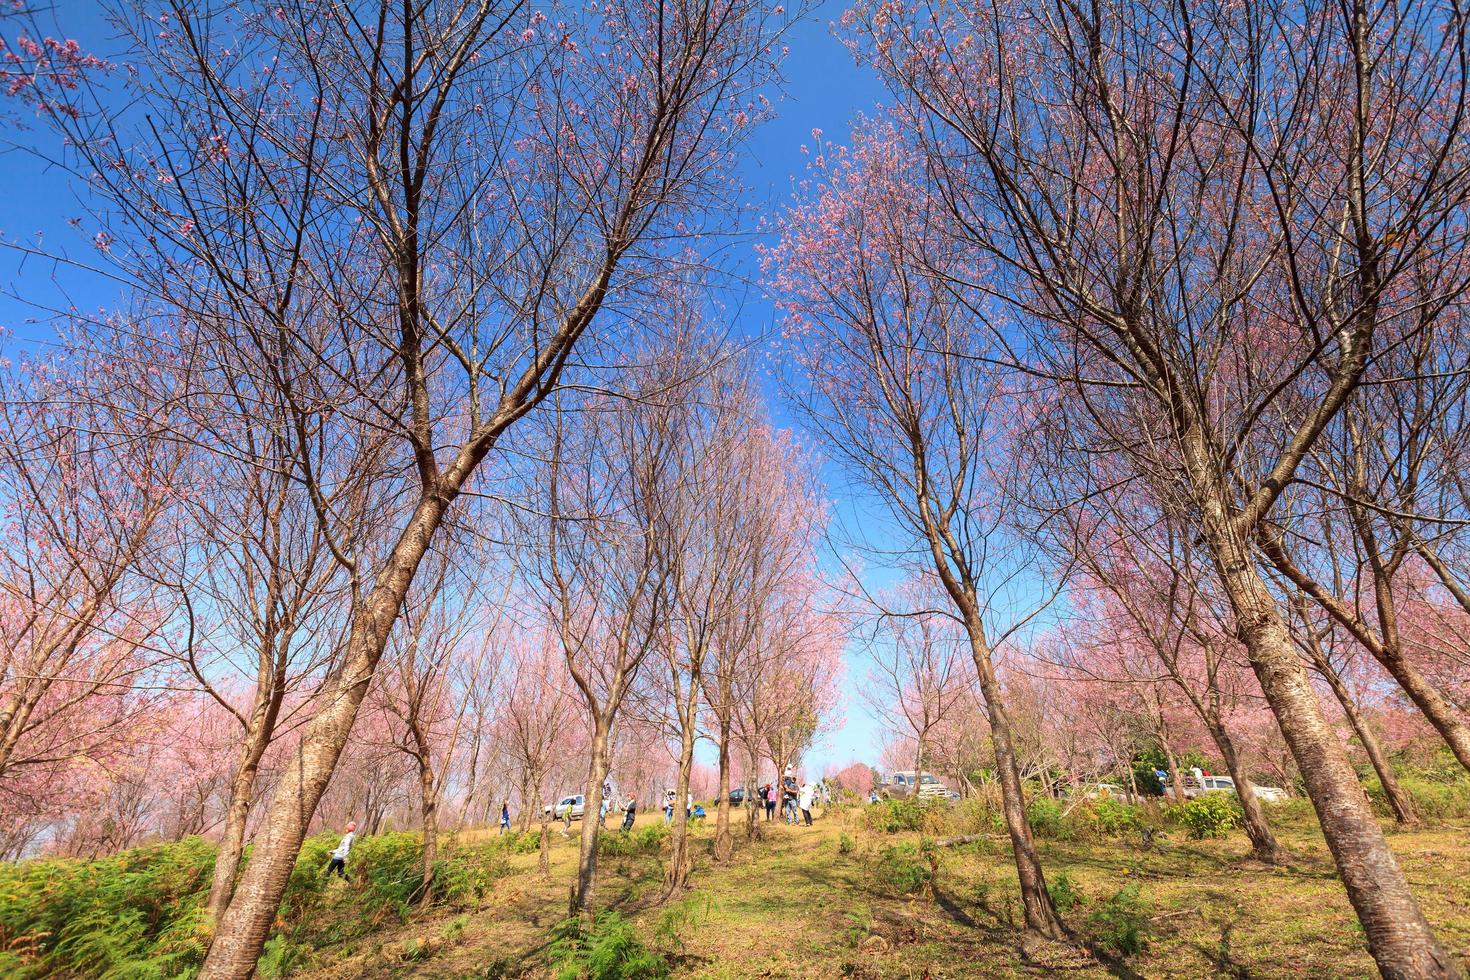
<point>1220,954</point>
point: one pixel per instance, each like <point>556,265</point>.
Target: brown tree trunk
<point>1263,841</point>
<point>1398,800</point>
<point>429,808</point>
<point>529,812</point>
<point>724,839</point>
<point>246,923</point>
<point>1439,710</point>
<point>581,901</point>
<point>1041,915</point>
<point>544,850</point>
<point>1175,779</point>
<point>237,813</point>
<point>676,876</point>
<point>1398,935</point>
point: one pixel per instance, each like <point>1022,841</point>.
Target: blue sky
<point>824,90</point>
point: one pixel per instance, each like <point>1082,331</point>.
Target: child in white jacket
<point>338,864</point>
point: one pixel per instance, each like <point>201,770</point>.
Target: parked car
<point>923,786</point>
<point>578,804</point>
<point>737,795</point>
<point>1270,794</point>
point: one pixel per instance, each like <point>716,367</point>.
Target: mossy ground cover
<point>844,898</point>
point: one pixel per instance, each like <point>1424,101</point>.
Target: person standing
<point>504,816</point>
<point>630,813</point>
<point>770,797</point>
<point>338,864</point>
<point>788,797</point>
<point>808,791</point>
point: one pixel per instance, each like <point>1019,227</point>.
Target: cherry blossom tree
<point>897,379</point>
<point>418,212</point>
<point>86,487</point>
<point>919,675</point>
<point>1208,244</point>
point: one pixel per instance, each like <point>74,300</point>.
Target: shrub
<point>894,816</point>
<point>1121,922</point>
<point>1045,816</point>
<point>1064,893</point>
<point>518,842</point>
<point>845,843</point>
<point>1435,799</point>
<point>607,949</point>
<point>646,841</point>
<point>899,870</point>
<point>462,877</point>
<point>1210,815</point>
<point>280,958</point>
<point>136,912</point>
<point>1114,818</point>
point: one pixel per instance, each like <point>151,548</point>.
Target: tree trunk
<point>1398,935</point>
<point>1041,915</point>
<point>676,876</point>
<point>1175,778</point>
<point>581,903</point>
<point>724,839</point>
<point>1428,698</point>
<point>529,812</point>
<point>237,812</point>
<point>544,846</point>
<point>1398,800</point>
<point>429,807</point>
<point>1263,841</point>
<point>242,930</point>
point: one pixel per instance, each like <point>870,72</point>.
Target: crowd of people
<point>796,802</point>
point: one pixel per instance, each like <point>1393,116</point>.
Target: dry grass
<point>793,905</point>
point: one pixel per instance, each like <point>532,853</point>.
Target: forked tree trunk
<point>581,901</point>
<point>1398,935</point>
<point>724,839</point>
<point>1263,841</point>
<point>1041,915</point>
<point>242,930</point>
<point>237,813</point>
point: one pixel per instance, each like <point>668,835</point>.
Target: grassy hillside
<point>863,893</point>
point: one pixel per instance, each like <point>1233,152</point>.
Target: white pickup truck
<point>902,785</point>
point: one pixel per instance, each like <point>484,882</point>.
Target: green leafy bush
<point>1064,893</point>
<point>1434,799</point>
<point>1210,815</point>
<point>1121,923</point>
<point>1114,818</point>
<point>517,842</point>
<point>845,843</point>
<point>607,949</point>
<point>899,870</point>
<point>893,816</point>
<point>131,914</point>
<point>141,913</point>
<point>1046,819</point>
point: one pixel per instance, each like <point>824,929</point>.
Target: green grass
<point>849,897</point>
